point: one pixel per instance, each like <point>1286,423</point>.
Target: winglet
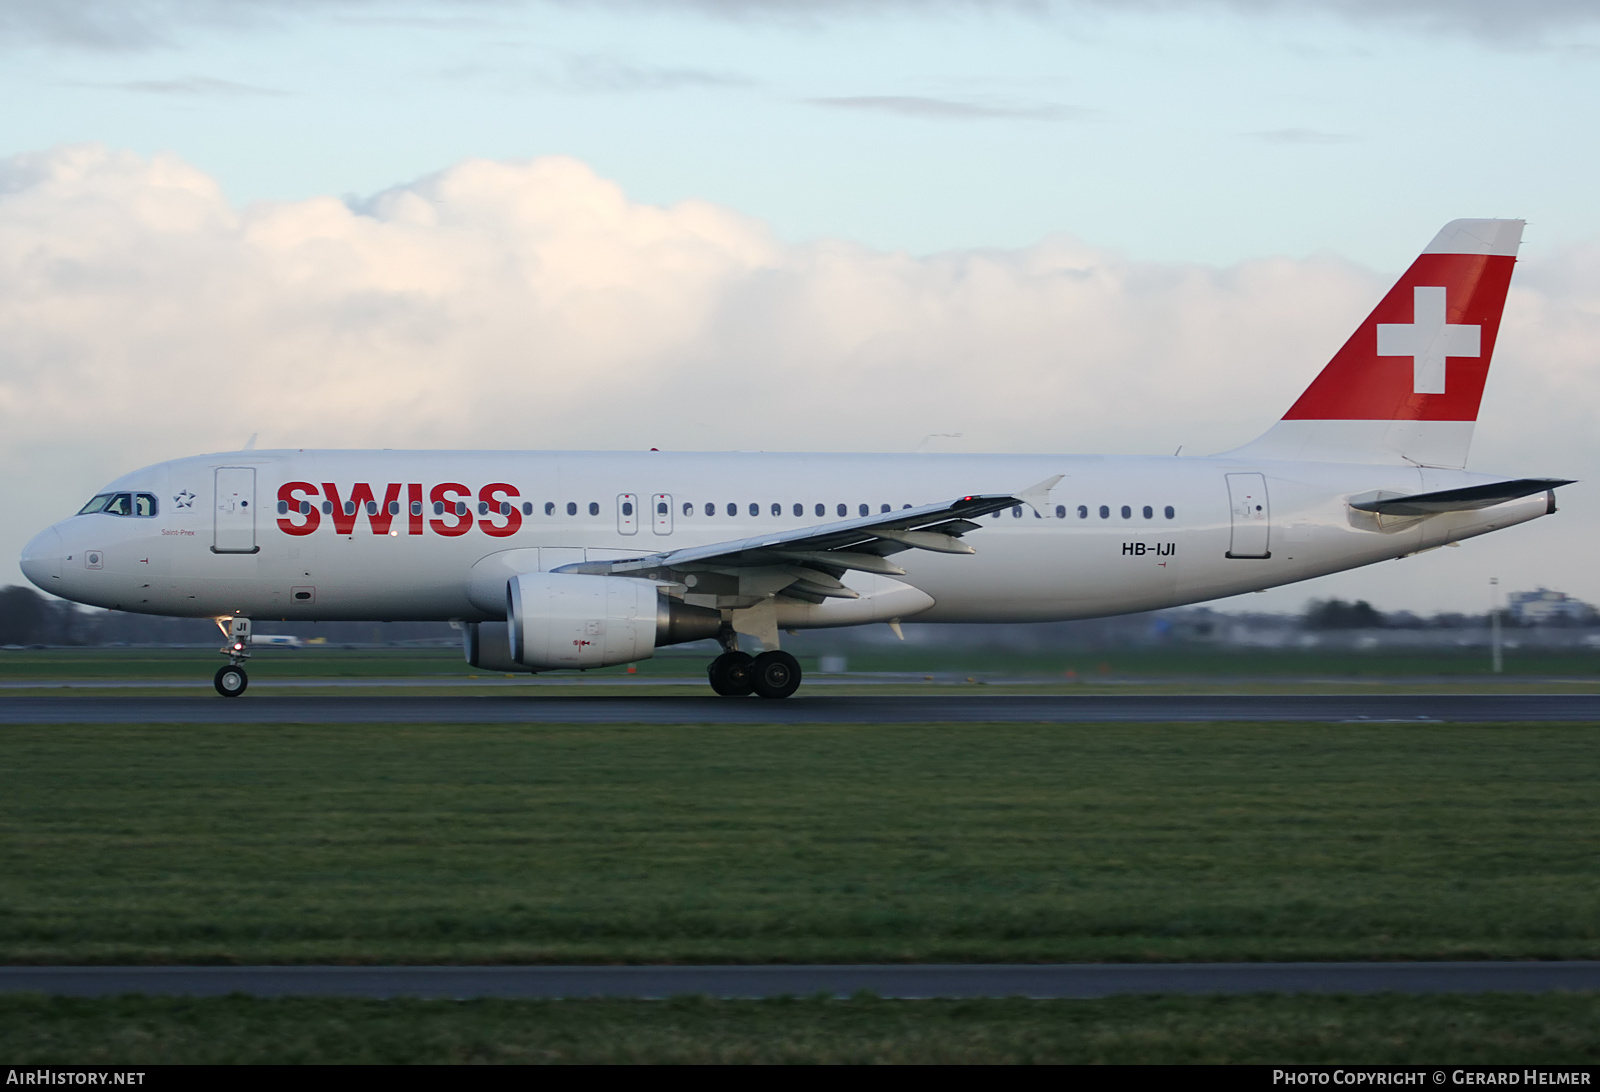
<point>1037,496</point>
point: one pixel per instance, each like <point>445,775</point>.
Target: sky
<point>1076,226</point>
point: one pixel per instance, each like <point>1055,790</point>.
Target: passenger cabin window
<point>627,508</point>
<point>777,509</point>
<point>1083,511</point>
<point>1149,513</point>
<point>572,508</point>
<point>594,508</point>
<point>1016,511</point>
<point>549,508</point>
<point>1061,511</point>
<point>733,509</point>
<point>527,508</point>
<point>711,509</point>
<point>844,510</point>
<point>1169,512</point>
<point>755,509</point>
<point>799,509</point>
<point>1127,512</point>
<point>688,508</point>
<point>1105,511</point>
<point>862,510</point>
<point>821,510</point>
<point>661,508</point>
<point>416,507</point>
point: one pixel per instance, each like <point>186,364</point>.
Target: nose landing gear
<point>231,680</point>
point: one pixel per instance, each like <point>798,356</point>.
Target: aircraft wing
<point>807,562</point>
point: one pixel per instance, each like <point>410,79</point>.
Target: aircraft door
<point>1251,516</point>
<point>627,514</point>
<point>661,506</point>
<point>233,529</point>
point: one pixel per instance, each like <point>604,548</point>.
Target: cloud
<point>194,87</point>
<point>1300,136</point>
<point>1491,19</point>
<point>606,74</point>
<point>918,106</point>
<point>132,25</point>
<point>534,305</point>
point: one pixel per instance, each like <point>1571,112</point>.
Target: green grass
<point>614,843</point>
<point>1485,1029</point>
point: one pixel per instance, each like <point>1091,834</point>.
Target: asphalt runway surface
<point>1071,980</point>
<point>803,709</point>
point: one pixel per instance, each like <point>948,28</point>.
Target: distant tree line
<point>28,618</point>
<point>1326,614</point>
<point>1337,614</point>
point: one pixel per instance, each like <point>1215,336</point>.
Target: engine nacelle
<point>556,620</point>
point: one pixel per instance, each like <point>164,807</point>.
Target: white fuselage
<point>1104,543</point>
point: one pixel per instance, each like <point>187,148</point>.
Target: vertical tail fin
<point>1405,388</point>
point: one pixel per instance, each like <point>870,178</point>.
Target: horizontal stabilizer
<point>1459,500</point>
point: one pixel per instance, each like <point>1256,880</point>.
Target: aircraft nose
<point>41,560</point>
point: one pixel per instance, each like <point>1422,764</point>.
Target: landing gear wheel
<point>230,681</point>
<point>732,674</point>
<point>777,674</point>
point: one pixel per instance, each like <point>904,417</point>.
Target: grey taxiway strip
<point>910,981</point>
<point>802,709</point>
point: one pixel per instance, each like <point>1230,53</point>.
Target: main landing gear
<point>231,680</point>
<point>770,675</point>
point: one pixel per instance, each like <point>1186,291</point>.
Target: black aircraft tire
<point>777,675</point>
<point>732,674</point>
<point>230,681</point>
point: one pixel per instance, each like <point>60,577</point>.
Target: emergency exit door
<point>233,528</point>
<point>1251,516</point>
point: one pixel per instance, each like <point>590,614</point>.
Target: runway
<point>803,709</point>
<point>1051,981</point>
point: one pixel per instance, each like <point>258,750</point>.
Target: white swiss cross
<point>1428,340</point>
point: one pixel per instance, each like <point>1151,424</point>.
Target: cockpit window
<point>121,504</point>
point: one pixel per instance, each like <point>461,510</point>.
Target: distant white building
<point>1543,606</point>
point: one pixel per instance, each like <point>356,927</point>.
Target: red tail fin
<point>1407,384</point>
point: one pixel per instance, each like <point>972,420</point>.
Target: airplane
<point>562,560</point>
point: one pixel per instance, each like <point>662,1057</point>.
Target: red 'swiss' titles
<point>448,511</point>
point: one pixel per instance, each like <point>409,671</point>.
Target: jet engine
<point>566,620</point>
